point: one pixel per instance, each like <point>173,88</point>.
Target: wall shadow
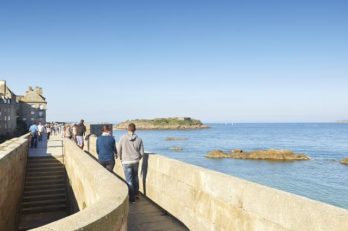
<point>144,168</point>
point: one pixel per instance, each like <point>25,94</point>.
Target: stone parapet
<point>13,159</point>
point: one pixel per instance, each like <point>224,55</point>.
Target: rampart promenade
<point>200,198</point>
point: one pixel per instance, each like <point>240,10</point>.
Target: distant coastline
<point>174,123</point>
<point>342,121</point>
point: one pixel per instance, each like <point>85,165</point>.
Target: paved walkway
<point>54,147</point>
<point>144,215</point>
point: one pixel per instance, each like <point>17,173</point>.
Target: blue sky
<point>219,61</point>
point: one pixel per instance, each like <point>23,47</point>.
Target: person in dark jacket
<point>80,132</point>
<point>106,149</point>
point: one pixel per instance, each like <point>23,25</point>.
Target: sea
<point>322,178</point>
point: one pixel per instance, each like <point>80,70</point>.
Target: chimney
<point>38,90</point>
<point>3,87</point>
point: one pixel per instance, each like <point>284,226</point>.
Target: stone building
<point>8,110</point>
<point>32,106</point>
<point>18,110</point>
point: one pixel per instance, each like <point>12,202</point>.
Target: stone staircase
<point>45,193</point>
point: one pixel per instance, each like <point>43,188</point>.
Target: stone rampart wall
<point>13,160</point>
<point>207,200</point>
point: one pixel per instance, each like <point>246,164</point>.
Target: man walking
<point>131,150</point>
<point>80,132</point>
<point>33,133</point>
<point>41,130</point>
<point>106,149</point>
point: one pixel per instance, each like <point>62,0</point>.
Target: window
<point>24,119</point>
<point>32,112</point>
<point>32,119</point>
<point>40,114</point>
<point>9,118</point>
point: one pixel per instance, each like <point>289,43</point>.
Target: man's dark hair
<point>106,128</point>
<point>82,121</point>
<point>131,127</point>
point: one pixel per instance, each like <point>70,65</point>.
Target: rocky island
<point>276,155</point>
<point>176,123</point>
<point>344,161</point>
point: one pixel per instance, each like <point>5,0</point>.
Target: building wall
<point>8,111</point>
<point>8,118</point>
<point>30,108</point>
<point>31,112</point>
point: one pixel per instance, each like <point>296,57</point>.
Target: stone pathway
<point>54,147</point>
<point>144,215</point>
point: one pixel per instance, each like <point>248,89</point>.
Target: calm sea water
<point>322,178</point>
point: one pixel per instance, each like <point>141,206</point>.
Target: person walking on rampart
<point>80,132</point>
<point>48,131</point>
<point>41,131</point>
<point>131,150</point>
<point>74,132</point>
<point>33,133</point>
<point>106,149</point>
<point>67,132</point>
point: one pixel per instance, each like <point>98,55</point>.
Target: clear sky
<point>219,61</point>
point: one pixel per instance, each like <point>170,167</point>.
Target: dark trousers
<point>40,136</point>
<point>48,135</point>
<point>131,175</point>
<point>109,165</point>
<point>33,142</point>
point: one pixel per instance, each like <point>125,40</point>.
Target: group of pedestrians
<point>129,150</point>
<point>76,132</point>
<point>39,130</point>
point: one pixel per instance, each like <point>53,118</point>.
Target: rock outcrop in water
<point>276,155</point>
<point>176,149</point>
<point>176,123</point>
<point>344,161</point>
<point>176,139</point>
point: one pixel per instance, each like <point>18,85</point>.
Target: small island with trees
<point>173,123</point>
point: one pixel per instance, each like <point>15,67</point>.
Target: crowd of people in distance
<point>40,130</point>
<point>76,133</point>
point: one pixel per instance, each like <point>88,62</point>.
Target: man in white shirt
<point>41,131</point>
